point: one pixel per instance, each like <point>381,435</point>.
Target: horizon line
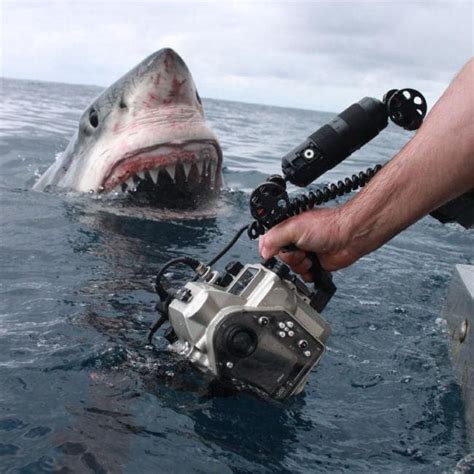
<point>205,98</point>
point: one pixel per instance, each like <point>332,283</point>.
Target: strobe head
<point>349,131</point>
<point>335,141</point>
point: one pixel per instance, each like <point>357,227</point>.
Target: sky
<point>320,55</point>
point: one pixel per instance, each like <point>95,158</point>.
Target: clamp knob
<point>406,107</point>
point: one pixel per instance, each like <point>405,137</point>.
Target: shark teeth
<point>202,171</point>
<point>171,170</point>
<point>187,169</point>
<point>200,166</point>
<point>154,174</point>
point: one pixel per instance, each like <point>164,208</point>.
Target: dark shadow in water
<point>139,230</point>
<point>260,431</point>
<point>99,437</point>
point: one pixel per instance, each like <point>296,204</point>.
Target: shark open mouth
<point>167,173</point>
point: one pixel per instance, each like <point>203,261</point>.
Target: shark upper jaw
<point>192,165</point>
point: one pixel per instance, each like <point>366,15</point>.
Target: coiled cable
<point>306,202</point>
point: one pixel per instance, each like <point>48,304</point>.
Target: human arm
<point>436,166</point>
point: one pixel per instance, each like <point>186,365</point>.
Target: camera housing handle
<point>323,285</point>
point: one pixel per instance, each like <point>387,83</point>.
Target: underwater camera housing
<point>254,326</point>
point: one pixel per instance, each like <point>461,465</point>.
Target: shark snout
<point>172,58</point>
<point>163,80</point>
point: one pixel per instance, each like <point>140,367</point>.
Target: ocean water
<point>80,392</point>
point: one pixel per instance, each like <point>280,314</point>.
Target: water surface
<point>80,392</point>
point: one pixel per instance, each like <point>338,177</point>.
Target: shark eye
<point>198,98</point>
<point>93,118</point>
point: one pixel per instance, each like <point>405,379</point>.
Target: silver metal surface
<point>459,314</point>
<point>195,321</point>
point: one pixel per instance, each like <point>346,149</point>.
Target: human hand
<point>320,231</point>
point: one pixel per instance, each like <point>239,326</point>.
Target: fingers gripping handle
<point>323,284</point>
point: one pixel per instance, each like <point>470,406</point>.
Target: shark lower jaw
<point>190,168</point>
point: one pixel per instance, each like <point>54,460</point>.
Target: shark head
<point>145,134</point>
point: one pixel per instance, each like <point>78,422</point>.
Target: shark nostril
<point>94,118</point>
<point>122,104</point>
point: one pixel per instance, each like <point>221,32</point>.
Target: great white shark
<point>144,135</point>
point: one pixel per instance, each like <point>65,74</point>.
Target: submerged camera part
<point>254,326</point>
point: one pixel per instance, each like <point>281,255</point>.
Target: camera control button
<point>291,333</point>
<point>234,267</point>
<point>263,321</point>
<point>184,295</point>
<point>290,324</point>
<point>281,325</point>
<point>282,334</point>
<point>309,154</point>
<point>303,344</point>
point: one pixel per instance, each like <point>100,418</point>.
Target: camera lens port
<point>241,341</point>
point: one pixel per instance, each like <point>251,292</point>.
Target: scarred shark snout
<point>164,79</point>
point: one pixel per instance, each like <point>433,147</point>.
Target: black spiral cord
<point>306,202</point>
